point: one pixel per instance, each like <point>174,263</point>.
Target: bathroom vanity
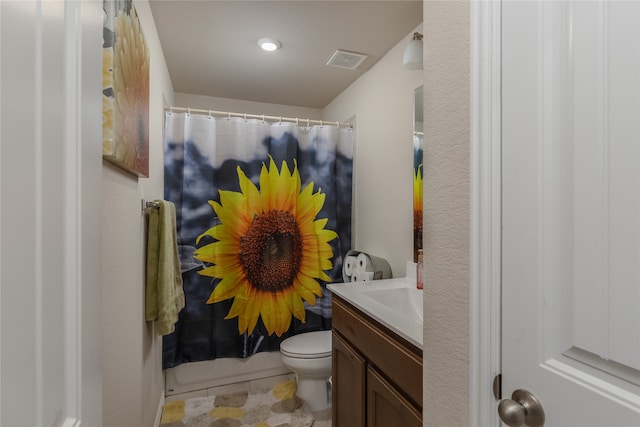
<point>377,354</point>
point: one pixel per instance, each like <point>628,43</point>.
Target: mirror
<point>418,170</point>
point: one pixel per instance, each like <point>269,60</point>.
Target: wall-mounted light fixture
<point>269,44</point>
<point>412,58</point>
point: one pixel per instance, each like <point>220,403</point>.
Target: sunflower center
<point>271,251</point>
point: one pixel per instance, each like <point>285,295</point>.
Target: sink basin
<point>394,303</point>
<point>406,301</point>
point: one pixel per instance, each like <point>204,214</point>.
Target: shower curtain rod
<point>256,116</point>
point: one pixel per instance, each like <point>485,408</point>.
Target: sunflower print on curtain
<point>264,220</point>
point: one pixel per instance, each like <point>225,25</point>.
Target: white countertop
<point>395,303</point>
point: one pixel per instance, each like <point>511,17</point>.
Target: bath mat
<point>277,407</point>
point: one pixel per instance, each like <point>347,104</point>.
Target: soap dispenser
<point>419,277</point>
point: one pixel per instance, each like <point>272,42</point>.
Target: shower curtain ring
<point>321,123</point>
<point>228,115</point>
<point>188,111</point>
<point>210,114</point>
<point>263,117</point>
<point>245,117</point>
<point>297,121</point>
<point>337,124</point>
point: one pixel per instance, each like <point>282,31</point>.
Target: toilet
<point>308,355</point>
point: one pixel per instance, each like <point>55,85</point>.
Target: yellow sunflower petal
<point>226,269</point>
<point>324,250</point>
<point>317,245</point>
<point>314,267</point>
<point>242,322</point>
<point>278,316</point>
<point>268,187</point>
<point>266,311</point>
<point>210,251</point>
<point>319,224</point>
<point>244,315</point>
<point>308,283</point>
<point>207,271</point>
<point>287,297</point>
<point>253,202</point>
<point>226,288</point>
<point>278,188</point>
<point>307,295</point>
<point>239,303</point>
<point>237,220</point>
<point>327,235</point>
<point>298,307</point>
<point>324,276</point>
<point>417,188</point>
<point>264,188</point>
<point>308,206</point>
<point>287,195</point>
<point>282,313</point>
<point>253,311</point>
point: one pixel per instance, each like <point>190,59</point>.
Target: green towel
<point>164,295</point>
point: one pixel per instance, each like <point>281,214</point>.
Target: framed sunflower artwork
<point>125,89</point>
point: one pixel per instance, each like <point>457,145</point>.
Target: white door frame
<point>50,87</point>
<point>485,211</point>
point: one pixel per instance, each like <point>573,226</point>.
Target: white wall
<point>382,102</point>
<point>446,214</point>
<point>187,100</point>
<point>133,381</point>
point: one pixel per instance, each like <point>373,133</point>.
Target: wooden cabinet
<point>386,406</point>
<point>349,392</point>
<point>377,375</point>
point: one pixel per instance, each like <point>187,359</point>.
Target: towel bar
<point>146,204</point>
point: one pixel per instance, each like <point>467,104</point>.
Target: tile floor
<point>258,385</point>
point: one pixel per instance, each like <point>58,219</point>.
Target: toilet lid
<point>308,345</point>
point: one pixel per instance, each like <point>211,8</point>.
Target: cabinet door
<point>348,390</point>
<point>386,406</point>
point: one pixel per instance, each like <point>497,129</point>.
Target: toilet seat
<point>308,345</point>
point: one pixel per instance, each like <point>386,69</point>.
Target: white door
<point>50,170</point>
<point>571,209</point>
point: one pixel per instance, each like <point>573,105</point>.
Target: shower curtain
<point>263,222</point>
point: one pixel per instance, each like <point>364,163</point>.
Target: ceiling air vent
<point>346,59</point>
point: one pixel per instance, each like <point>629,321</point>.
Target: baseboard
<point>159,412</point>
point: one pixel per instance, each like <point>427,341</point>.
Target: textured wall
<point>133,382</point>
<point>446,227</point>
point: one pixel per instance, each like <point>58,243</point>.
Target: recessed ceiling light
<point>269,44</point>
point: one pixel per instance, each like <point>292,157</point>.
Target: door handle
<point>522,409</point>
